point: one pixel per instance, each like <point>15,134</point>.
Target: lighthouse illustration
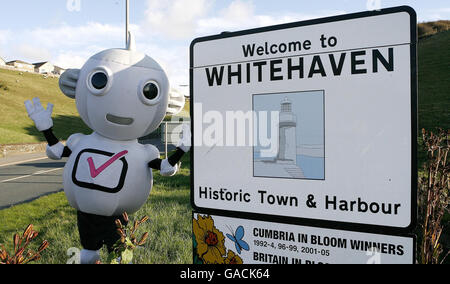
<point>288,133</point>
<point>284,163</point>
<point>297,135</point>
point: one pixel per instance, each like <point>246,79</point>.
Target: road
<point>25,178</point>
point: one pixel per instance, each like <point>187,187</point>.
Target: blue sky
<point>50,30</point>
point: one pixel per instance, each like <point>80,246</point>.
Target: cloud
<point>164,34</point>
<point>239,11</point>
<point>65,35</point>
<point>186,19</point>
<point>5,35</point>
<point>434,15</point>
<point>241,15</point>
<point>174,60</point>
<point>75,58</point>
<point>4,39</point>
<point>237,14</point>
<point>33,53</point>
<point>176,19</point>
<point>65,45</point>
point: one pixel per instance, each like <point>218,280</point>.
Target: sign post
<point>311,123</point>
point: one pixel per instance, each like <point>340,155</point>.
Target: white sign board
<point>313,121</point>
<point>227,240</point>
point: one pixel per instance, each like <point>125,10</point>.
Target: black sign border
<point>368,228</point>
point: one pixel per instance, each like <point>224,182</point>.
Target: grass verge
<point>169,227</point>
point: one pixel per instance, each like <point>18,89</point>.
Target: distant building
<point>44,67</point>
<point>2,62</point>
<point>21,65</point>
<point>58,70</point>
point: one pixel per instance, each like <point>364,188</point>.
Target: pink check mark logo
<point>95,172</point>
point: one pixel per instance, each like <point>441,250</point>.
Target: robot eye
<point>99,80</point>
<point>150,93</point>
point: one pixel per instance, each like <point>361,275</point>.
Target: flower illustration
<point>210,241</point>
<point>232,258</point>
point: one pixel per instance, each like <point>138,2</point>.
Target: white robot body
<point>107,177</point>
<point>122,95</point>
<point>119,110</point>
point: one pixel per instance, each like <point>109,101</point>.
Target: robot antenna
<point>127,21</point>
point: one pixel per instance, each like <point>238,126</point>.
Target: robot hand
<point>185,141</point>
<point>42,117</point>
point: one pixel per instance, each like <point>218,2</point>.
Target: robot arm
<point>169,167</point>
<point>55,149</point>
<point>43,120</point>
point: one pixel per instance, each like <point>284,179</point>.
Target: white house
<point>21,65</point>
<point>58,70</point>
<point>2,62</point>
<point>44,67</point>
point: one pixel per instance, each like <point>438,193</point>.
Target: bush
<point>425,29</point>
<point>441,26</point>
<point>434,197</point>
<point>431,28</point>
<point>3,86</point>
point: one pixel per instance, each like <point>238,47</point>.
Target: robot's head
<point>121,94</point>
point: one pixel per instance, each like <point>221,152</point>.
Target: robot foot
<point>89,256</point>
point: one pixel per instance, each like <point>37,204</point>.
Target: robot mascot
<point>122,95</point>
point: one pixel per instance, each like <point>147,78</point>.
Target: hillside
<point>431,28</point>
<point>434,81</point>
<point>15,126</point>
